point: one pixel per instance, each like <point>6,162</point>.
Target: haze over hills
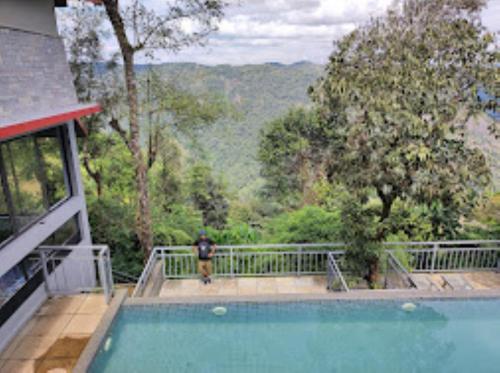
<point>259,94</point>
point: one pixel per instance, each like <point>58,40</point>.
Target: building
<point>41,195</point>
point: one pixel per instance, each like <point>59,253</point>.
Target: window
<point>68,234</point>
<point>6,226</point>
<point>24,278</point>
<point>24,179</point>
<point>34,179</point>
<point>16,277</point>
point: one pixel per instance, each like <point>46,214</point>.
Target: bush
<point>235,235</point>
<point>310,224</point>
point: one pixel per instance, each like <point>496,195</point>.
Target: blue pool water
<point>331,336</point>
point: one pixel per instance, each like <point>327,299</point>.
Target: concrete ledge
<point>354,295</point>
<point>98,336</point>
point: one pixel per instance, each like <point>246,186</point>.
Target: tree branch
<point>115,125</point>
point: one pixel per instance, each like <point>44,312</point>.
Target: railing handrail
<point>336,269</point>
<point>145,273</point>
<point>400,268</point>
<point>257,246</point>
<point>125,275</point>
<point>330,244</point>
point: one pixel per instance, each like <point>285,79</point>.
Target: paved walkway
<point>245,286</point>
<point>54,339</point>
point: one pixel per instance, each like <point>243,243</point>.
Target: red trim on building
<point>17,129</point>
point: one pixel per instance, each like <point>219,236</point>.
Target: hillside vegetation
<point>259,94</point>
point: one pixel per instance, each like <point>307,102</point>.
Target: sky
<point>286,31</point>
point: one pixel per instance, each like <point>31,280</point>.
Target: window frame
<point>62,136</point>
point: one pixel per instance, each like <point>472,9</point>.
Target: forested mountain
<point>260,93</point>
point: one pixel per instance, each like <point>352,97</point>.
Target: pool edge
<point>92,347</point>
<point>352,295</point>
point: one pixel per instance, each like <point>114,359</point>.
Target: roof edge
<point>40,123</point>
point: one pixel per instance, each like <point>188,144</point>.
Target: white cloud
<point>257,31</point>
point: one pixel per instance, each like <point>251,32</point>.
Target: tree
<point>292,151</point>
<point>208,196</point>
<point>397,95</point>
<point>139,29</point>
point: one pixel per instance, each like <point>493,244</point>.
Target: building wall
<point>34,75</point>
<point>29,240</point>
<point>35,81</point>
<point>29,15</point>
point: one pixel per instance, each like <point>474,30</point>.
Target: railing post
<point>231,255</point>
<point>386,271</point>
<point>163,264</point>
<point>102,276</point>
<point>43,259</point>
<point>299,261</point>
<point>435,248</point>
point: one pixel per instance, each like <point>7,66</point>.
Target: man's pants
<point>205,267</point>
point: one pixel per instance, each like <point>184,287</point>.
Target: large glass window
<point>24,179</point>
<point>34,176</point>
<point>28,272</point>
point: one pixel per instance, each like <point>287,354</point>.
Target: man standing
<point>205,248</point>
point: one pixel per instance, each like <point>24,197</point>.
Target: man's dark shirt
<point>204,247</point>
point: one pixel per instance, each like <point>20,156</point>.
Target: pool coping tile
<point>354,295</point>
<point>92,347</point>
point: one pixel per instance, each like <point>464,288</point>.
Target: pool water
<point>328,336</point>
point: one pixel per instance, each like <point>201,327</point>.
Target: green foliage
<point>395,98</point>
<point>178,226</point>
<point>292,154</point>
<point>307,225</point>
<point>208,196</point>
<point>235,234</point>
<point>257,93</point>
<point>359,231</point>
<point>112,223</point>
<point>486,223</point>
<point>166,176</point>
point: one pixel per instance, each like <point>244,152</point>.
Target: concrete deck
<point>477,280</point>
<point>244,286</point>
<point>256,286</point>
<point>56,336</point>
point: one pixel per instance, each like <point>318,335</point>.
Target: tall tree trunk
<point>141,178</point>
<point>143,217</point>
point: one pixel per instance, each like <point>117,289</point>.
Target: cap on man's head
<point>202,232</point>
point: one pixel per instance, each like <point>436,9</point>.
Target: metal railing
<point>251,260</point>
<point>124,278</point>
<point>146,273</point>
<point>450,256</point>
<point>76,269</point>
<point>335,279</point>
<point>396,275</point>
<point>178,262</point>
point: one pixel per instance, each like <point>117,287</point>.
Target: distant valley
<point>259,94</point>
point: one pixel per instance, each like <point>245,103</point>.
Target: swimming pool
<point>315,336</point>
